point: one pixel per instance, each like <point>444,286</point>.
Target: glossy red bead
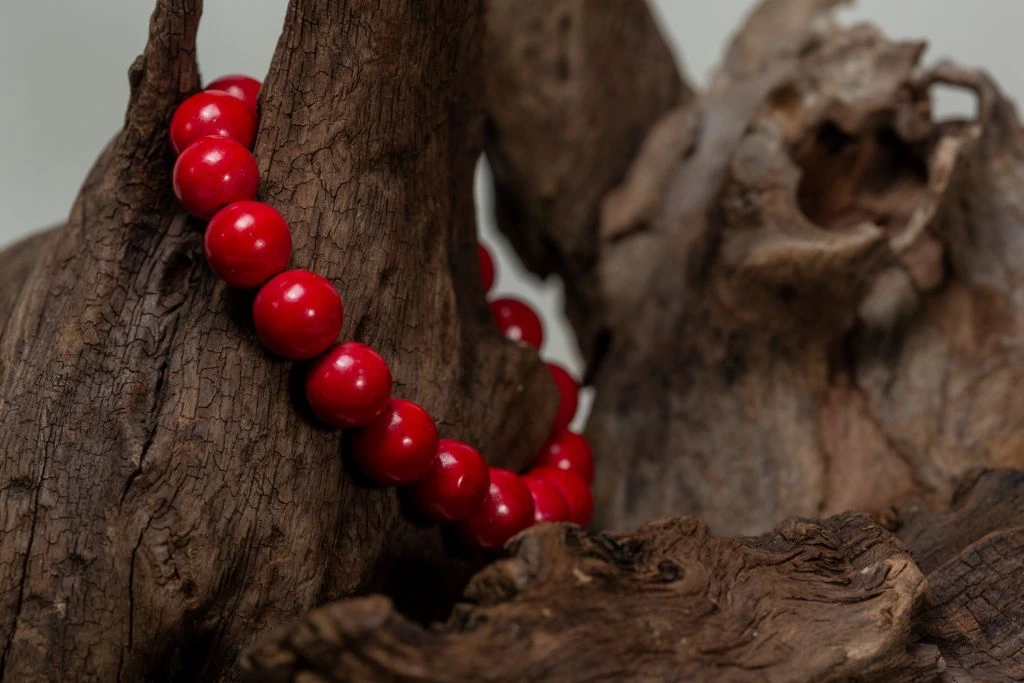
<point>568,397</point>
<point>518,321</point>
<point>506,510</point>
<point>568,451</point>
<point>399,446</point>
<point>212,173</point>
<point>349,386</point>
<point>548,504</point>
<point>455,485</point>
<point>245,88</point>
<point>574,491</point>
<point>213,113</point>
<point>298,314</point>
<point>247,243</point>
<point>486,267</point>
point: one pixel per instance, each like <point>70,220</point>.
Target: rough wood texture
<point>566,114</point>
<point>825,601</point>
<point>971,551</point>
<point>164,494</point>
<point>814,287</point>
<point>821,289</point>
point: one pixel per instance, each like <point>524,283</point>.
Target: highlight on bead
<point>506,510</point>
<point>548,503</point>
<point>247,243</point>
<point>213,172</point>
<point>298,314</point>
<point>212,113</point>
<point>399,446</point>
<point>518,321</point>
<point>455,485</point>
<point>568,451</point>
<point>349,386</point>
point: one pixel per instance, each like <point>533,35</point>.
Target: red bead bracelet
<point>298,315</point>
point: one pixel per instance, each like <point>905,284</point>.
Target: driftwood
<point>797,294</point>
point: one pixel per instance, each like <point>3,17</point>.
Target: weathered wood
<point>828,601</point>
<point>572,88</point>
<point>797,294</point>
<point>810,286</point>
<point>972,553</point>
<point>164,493</point>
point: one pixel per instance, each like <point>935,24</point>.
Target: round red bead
<point>506,510</point>
<point>349,386</point>
<point>247,243</point>
<point>298,314</point>
<point>548,504</point>
<point>213,113</point>
<point>212,173</point>
<point>245,88</point>
<point>455,485</point>
<point>399,446</point>
<point>568,451</point>
<point>568,397</point>
<point>518,321</point>
<point>574,491</point>
<point>486,267</point>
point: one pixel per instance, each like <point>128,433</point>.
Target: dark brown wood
<point>971,551</point>
<point>828,601</point>
<point>572,88</point>
<point>796,291</point>
<point>165,494</point>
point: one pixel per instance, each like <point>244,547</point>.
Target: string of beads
<point>298,315</point>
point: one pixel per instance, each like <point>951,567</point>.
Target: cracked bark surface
<point>164,493</point>
<point>971,552</point>
<point>668,602</point>
<point>841,599</point>
<point>797,293</point>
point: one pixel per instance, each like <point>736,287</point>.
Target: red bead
<point>506,510</point>
<point>568,397</point>
<point>486,267</point>
<point>298,314</point>
<point>349,386</point>
<point>399,446</point>
<point>247,243</point>
<point>212,173</point>
<point>518,321</point>
<point>243,87</point>
<point>548,504</point>
<point>568,451</point>
<point>455,485</point>
<point>573,489</point>
<point>213,113</point>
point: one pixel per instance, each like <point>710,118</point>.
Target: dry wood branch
<point>820,283</point>
<point>825,601</point>
<point>164,492</point>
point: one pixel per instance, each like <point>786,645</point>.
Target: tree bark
<point>796,292</point>
<point>164,492</point>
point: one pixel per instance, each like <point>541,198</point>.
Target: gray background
<point>63,88</point>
